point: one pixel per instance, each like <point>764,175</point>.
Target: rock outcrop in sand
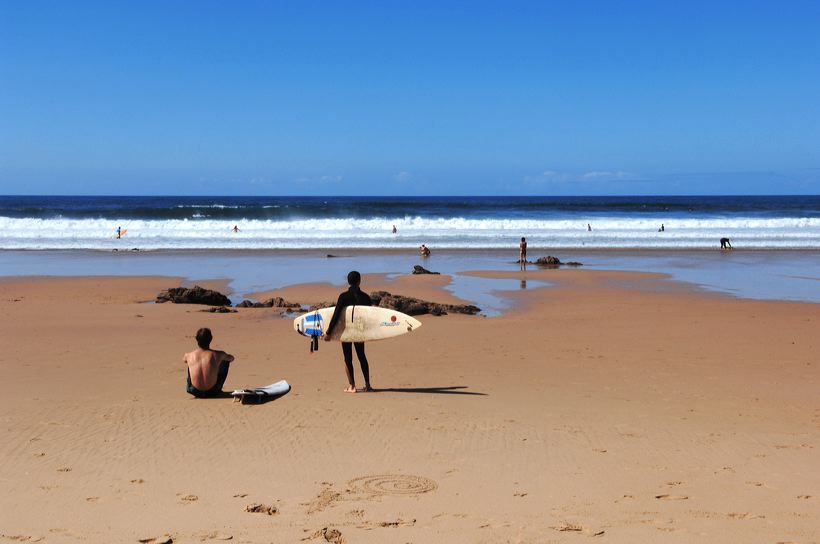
<point>410,305</point>
<point>275,302</point>
<point>414,306</point>
<point>193,295</point>
<point>549,260</point>
<point>418,269</point>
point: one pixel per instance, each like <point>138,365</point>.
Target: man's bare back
<point>203,366</point>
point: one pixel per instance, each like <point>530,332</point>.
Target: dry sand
<point>615,407</point>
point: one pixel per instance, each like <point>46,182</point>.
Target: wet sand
<point>611,405</point>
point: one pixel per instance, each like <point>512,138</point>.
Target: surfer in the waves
<point>354,296</point>
<point>207,368</point>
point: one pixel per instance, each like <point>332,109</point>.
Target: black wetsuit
<point>354,296</point>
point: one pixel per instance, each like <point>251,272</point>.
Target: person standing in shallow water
<point>354,296</point>
<point>522,254</point>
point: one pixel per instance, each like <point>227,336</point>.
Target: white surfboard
<point>361,323</point>
<point>262,394</point>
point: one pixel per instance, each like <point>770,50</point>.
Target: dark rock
<point>329,256</point>
<point>554,262</point>
<point>414,306</point>
<point>421,270</point>
<point>409,305</point>
<point>193,295</point>
<point>549,260</point>
<point>275,302</point>
<point>219,310</point>
<point>320,305</point>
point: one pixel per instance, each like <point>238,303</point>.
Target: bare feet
<point>350,389</point>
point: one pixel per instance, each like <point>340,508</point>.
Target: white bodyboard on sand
<point>361,323</point>
<point>262,394</point>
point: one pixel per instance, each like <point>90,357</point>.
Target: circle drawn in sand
<point>392,484</point>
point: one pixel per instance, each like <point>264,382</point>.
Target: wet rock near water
<point>219,310</point>
<point>193,295</point>
<point>417,269</point>
<point>551,261</point>
<point>409,305</point>
<point>275,302</point>
<point>414,306</point>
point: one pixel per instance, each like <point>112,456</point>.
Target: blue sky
<point>409,98</point>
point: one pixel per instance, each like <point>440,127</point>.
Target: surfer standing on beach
<point>354,296</point>
<point>522,254</point>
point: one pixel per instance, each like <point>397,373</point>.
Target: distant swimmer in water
<point>725,244</point>
<point>394,229</point>
<point>589,227</point>
<point>522,253</point>
<point>235,228</point>
<point>424,251</point>
<point>662,228</point>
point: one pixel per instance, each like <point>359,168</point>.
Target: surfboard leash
<point>314,337</point>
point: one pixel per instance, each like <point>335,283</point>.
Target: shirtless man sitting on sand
<point>207,368</point>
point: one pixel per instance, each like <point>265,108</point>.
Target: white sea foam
<point>608,232</point>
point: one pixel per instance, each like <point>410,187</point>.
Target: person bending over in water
<point>354,296</point>
<point>725,243</point>
<point>207,368</point>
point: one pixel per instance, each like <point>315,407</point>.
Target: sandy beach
<point>614,406</point>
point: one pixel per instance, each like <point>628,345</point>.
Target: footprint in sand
<point>743,515</point>
<point>189,498</point>
<point>214,535</point>
<point>164,539</point>
<point>334,536</point>
<point>257,508</point>
<point>671,497</point>
<point>567,527</point>
<point>64,469</point>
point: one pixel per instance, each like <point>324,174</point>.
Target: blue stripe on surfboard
<point>310,331</point>
<point>313,317</point>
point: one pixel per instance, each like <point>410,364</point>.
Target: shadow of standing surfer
<point>354,296</point>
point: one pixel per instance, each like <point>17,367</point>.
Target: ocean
<point>594,223</point>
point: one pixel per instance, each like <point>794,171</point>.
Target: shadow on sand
<point>438,390</point>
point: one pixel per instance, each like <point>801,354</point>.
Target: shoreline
<point>774,275</point>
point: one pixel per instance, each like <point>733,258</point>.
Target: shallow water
<point>785,275</point>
